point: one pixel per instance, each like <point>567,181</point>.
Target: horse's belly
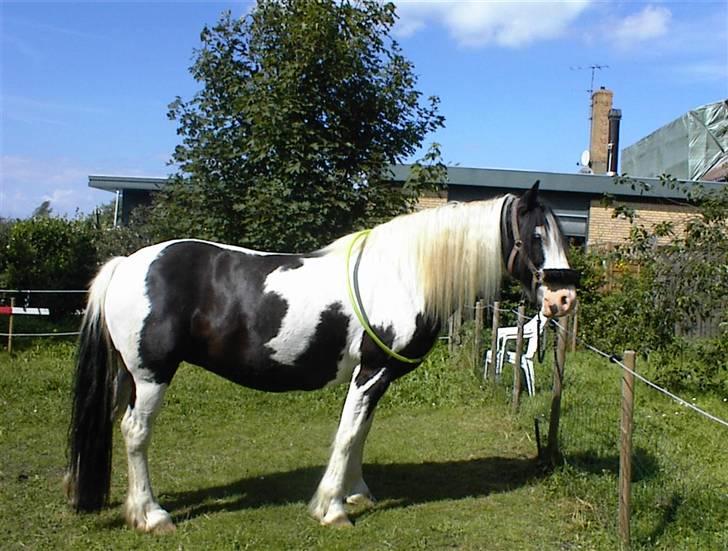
<point>271,376</point>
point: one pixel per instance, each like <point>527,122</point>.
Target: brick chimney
<point>598,144</point>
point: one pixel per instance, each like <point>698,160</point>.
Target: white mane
<point>453,251</point>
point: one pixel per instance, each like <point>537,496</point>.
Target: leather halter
<point>538,276</point>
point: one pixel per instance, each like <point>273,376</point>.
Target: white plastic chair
<point>506,334</point>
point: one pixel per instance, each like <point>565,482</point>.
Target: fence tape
<point>40,291</point>
<point>69,334</point>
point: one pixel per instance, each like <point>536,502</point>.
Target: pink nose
<point>559,302</point>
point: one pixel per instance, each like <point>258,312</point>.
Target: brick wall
<point>605,230</point>
<point>432,199</point>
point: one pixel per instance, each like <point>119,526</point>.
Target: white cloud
<point>478,23</point>
<point>652,22</point>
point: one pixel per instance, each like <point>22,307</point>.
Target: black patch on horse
<point>373,358</point>
<point>208,307</point>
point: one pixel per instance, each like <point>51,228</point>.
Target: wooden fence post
<point>552,446</point>
<point>450,344</point>
<point>494,340</point>
<point>574,326</point>
<point>517,377</point>
<point>10,326</point>
<point>625,449</point>
<point>478,337</point>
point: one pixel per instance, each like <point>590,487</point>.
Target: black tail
<point>90,434</point>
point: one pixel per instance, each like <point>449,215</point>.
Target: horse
<point>365,310</point>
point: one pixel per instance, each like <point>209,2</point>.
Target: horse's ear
<point>530,198</point>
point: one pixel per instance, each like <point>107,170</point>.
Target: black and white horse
<point>279,322</point>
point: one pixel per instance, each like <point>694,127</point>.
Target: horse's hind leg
<point>142,510</point>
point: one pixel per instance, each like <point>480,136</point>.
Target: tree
<point>43,210</point>
<point>302,108</point>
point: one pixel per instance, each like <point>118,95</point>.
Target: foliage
<point>113,240</point>
<point>5,226</point>
<point>302,107</point>
<point>51,253</point>
<point>671,281</point>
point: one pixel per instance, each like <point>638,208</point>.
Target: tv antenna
<point>594,68</point>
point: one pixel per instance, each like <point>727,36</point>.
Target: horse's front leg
<point>343,476</point>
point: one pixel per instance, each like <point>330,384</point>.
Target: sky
<point>84,86</point>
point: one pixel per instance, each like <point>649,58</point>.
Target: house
<point>575,197</point>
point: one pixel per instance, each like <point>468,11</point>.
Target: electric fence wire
<point>613,358</point>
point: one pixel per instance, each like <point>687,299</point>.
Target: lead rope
<point>540,345</point>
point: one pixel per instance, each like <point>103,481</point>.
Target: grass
<point>450,466</point>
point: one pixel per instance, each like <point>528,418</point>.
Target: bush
<point>51,253</point>
<point>665,291</point>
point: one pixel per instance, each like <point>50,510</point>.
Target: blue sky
<point>84,86</point>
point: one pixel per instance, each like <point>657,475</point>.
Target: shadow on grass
<point>644,464</point>
<point>395,485</point>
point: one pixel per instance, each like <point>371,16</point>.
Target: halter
<point>538,276</point>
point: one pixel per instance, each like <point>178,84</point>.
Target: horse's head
<point>534,252</point>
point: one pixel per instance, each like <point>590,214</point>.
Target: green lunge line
<point>358,312</point>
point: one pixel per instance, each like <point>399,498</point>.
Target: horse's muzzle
<point>558,302</point>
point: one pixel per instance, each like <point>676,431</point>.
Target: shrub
<point>51,253</point>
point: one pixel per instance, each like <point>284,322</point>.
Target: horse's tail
<point>90,433</point>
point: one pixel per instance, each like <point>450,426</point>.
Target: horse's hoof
<point>361,500</point>
<point>156,521</point>
<point>166,527</point>
<point>338,520</point>
<point>159,522</point>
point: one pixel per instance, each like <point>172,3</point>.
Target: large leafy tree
<point>302,107</point>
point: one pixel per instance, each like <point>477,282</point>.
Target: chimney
<point>601,105</point>
<point>615,116</point>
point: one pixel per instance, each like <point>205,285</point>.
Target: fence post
<point>552,446</point>
<point>494,340</point>
<point>574,326</point>
<point>517,377</point>
<point>478,337</point>
<point>450,322</point>
<point>10,326</point>
<point>457,324</point>
<point>625,448</point>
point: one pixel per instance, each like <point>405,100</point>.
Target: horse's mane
<point>453,252</point>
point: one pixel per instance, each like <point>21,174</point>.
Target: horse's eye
<point>537,236</point>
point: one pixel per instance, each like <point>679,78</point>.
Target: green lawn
<point>451,468</point>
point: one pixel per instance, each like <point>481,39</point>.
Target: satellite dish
<point>585,158</point>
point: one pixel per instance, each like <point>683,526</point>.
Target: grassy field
<point>451,468</point>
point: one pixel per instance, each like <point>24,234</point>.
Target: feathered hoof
<point>155,521</point>
<point>337,520</point>
<point>361,500</point>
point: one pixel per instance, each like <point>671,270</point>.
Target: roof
<point>113,183</point>
<point>693,146</point>
<point>591,184</point>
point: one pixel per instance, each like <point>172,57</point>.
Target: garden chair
<point>531,332</point>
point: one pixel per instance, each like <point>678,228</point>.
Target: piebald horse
<point>364,310</point>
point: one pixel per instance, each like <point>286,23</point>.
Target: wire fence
<point>64,319</point>
<point>679,472</point>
